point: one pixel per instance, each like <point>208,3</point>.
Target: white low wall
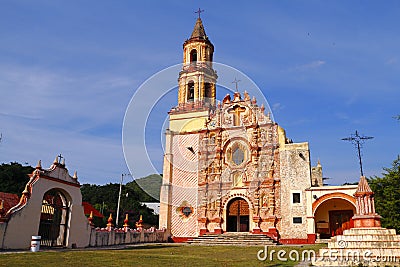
<point>102,237</point>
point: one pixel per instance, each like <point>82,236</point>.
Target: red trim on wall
<point>218,231</point>
<point>272,233</point>
<point>203,232</point>
<point>310,240</point>
<point>293,241</point>
<point>176,239</point>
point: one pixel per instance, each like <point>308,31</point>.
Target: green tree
<point>13,177</point>
<point>131,197</point>
<point>387,195</point>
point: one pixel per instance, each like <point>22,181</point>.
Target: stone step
<point>233,244</point>
<point>253,243</point>
<point>232,238</point>
<point>369,231</point>
<point>364,244</point>
<point>245,239</point>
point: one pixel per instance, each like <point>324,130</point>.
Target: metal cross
<point>60,157</point>
<point>358,141</point>
<point>236,83</point>
<point>199,11</point>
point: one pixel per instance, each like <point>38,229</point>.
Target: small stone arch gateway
<point>50,206</point>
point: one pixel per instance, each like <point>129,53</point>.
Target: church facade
<point>228,167</point>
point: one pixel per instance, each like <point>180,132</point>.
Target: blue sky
<point>68,70</point>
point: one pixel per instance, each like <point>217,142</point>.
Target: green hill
<point>151,186</point>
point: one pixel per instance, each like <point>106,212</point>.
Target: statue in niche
<point>237,179</point>
<point>212,139</point>
<point>264,200</point>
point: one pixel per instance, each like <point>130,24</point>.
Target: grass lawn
<point>151,255</point>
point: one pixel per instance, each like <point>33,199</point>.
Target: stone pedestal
<point>366,221</point>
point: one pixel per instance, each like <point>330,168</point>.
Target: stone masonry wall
<point>295,178</point>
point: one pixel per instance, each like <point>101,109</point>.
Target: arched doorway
<point>53,219</point>
<point>333,216</point>
<point>237,215</point>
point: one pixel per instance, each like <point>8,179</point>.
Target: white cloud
<point>276,107</point>
<point>391,61</point>
<point>310,66</point>
<point>45,112</point>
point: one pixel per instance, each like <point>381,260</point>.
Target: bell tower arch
<point>198,78</point>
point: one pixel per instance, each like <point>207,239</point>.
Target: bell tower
<point>198,78</point>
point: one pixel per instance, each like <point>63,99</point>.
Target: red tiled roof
<point>87,207</point>
<point>10,200</point>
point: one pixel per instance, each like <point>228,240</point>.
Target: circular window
<point>237,154</point>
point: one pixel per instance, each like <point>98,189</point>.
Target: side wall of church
<point>295,178</point>
<point>184,184</point>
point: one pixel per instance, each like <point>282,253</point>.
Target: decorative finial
<point>55,160</point>
<point>227,99</point>
<point>126,221</point>
<point>262,108</point>
<point>269,116</point>
<point>75,175</point>
<point>90,219</point>
<point>237,97</point>
<point>39,165</point>
<point>109,222</point>
<point>246,96</point>
<point>139,224</point>
<point>319,163</point>
<point>63,162</point>
<point>26,191</point>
